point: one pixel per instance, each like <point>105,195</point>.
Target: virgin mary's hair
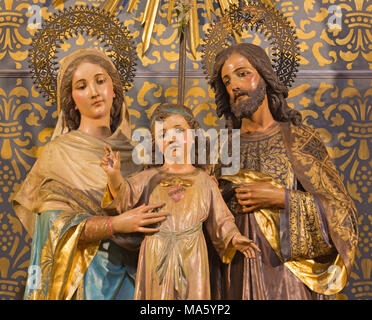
<point>275,89</point>
<point>165,110</point>
<point>72,115</point>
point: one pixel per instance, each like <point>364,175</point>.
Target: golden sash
<point>326,277</point>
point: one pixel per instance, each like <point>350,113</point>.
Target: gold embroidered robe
<point>311,243</point>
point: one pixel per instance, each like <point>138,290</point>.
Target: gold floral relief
<point>19,20</point>
<point>344,106</point>
<point>340,31</point>
<point>19,112</point>
<point>151,93</point>
<point>360,283</point>
<point>351,118</point>
<point>14,256</point>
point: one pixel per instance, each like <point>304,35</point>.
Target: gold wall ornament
<point>15,140</point>
<point>199,98</point>
<point>347,110</point>
<point>13,41</point>
<point>187,17</point>
<point>358,38</point>
<point>347,32</point>
<point>19,20</point>
<point>258,17</point>
<point>361,284</point>
<point>13,256</point>
<point>112,34</point>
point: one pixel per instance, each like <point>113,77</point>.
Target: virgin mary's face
<point>92,91</point>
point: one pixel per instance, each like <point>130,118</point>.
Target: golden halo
<point>255,16</point>
<point>90,21</point>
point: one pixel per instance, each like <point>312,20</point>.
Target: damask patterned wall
<point>333,91</point>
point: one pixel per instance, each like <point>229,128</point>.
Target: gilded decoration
<point>361,285</point>
<point>340,30</point>
<point>14,257</point>
<point>258,17</point>
<point>18,22</point>
<point>344,109</point>
<point>21,117</point>
<point>78,21</point>
<point>332,91</point>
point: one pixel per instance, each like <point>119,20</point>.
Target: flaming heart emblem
<point>176,187</point>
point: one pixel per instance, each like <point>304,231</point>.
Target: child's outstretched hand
<point>245,246</point>
<point>110,163</point>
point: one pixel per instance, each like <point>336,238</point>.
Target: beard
<point>245,108</point>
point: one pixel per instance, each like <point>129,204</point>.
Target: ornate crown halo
<point>255,16</point>
<point>90,21</point>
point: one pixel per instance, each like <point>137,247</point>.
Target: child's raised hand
<point>110,162</point>
<point>245,246</point>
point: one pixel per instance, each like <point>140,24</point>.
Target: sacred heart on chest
<point>176,187</point>
<point>176,192</point>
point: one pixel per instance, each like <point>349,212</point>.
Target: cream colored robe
<point>173,263</point>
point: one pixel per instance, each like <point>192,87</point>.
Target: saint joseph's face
<point>244,86</point>
<point>92,91</point>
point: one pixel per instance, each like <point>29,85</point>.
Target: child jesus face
<point>173,139</point>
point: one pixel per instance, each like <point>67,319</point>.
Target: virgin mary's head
<point>66,100</point>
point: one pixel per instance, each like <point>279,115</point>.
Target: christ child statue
<point>173,260</point>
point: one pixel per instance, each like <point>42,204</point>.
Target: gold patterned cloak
<point>317,173</point>
<point>299,236</point>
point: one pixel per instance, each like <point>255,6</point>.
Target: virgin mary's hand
<point>136,220</point>
<point>110,161</point>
